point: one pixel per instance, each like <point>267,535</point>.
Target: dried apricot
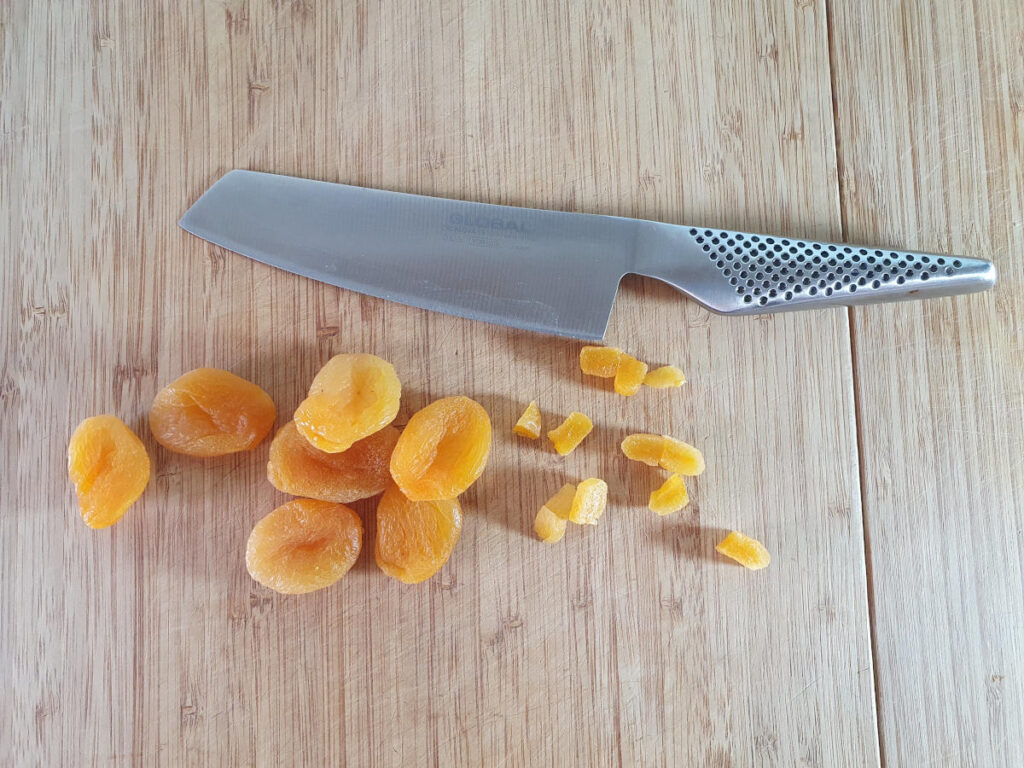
<point>664,377</point>
<point>629,376</point>
<point>443,449</point>
<point>303,546</point>
<point>670,497</point>
<point>570,433</point>
<point>665,452</point>
<point>110,469</point>
<point>529,423</point>
<point>415,538</point>
<point>600,361</point>
<point>210,412</point>
<point>589,501</point>
<point>296,467</point>
<point>748,552</point>
<point>351,397</point>
<point>551,518</point>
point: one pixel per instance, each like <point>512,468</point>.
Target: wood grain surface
<point>877,453</point>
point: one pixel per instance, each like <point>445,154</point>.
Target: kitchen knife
<point>545,271</point>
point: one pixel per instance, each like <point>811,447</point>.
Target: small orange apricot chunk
<point>551,519</point>
<point>665,377</point>
<point>665,452</point>
<point>443,449</point>
<point>303,546</point>
<point>748,552</point>
<point>600,361</point>
<point>629,376</point>
<point>415,538</point>
<point>570,433</point>
<point>670,497</point>
<point>589,501</point>
<point>109,467</point>
<point>529,423</point>
<point>296,467</point>
<point>210,412</point>
<point>351,397</point>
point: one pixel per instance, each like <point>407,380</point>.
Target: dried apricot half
<point>600,361</point>
<point>748,552</point>
<point>551,518</point>
<point>351,397</point>
<point>665,377</point>
<point>589,501</point>
<point>570,433</point>
<point>303,546</point>
<point>415,538</point>
<point>629,376</point>
<point>443,449</point>
<point>670,497</point>
<point>529,423</point>
<point>210,412</point>
<point>665,452</point>
<point>110,469</point>
<point>296,467</point>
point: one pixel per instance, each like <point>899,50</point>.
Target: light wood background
<point>877,452</point>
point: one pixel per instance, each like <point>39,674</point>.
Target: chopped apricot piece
<point>748,552</point>
<point>443,449</point>
<point>529,423</point>
<point>644,448</point>
<point>550,521</point>
<point>351,397</point>
<point>589,501</point>
<point>665,452</point>
<point>296,467</point>
<point>210,412</point>
<point>600,361</point>
<point>670,497</point>
<point>110,469</point>
<point>303,546</point>
<point>664,377</point>
<point>570,433</point>
<point>630,376</point>
<point>415,538</point>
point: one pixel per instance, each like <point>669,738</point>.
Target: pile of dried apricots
<point>340,446</point>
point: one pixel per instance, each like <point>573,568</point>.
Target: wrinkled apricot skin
<point>589,501</point>
<point>415,538</point>
<point>748,552</point>
<point>666,377</point>
<point>351,397</point>
<point>665,452</point>
<point>443,449</point>
<point>529,423</point>
<point>570,433</point>
<point>210,412</point>
<point>629,376</point>
<point>297,468</point>
<point>303,546</point>
<point>671,497</point>
<point>109,467</point>
<point>550,522</point>
<point>600,361</point>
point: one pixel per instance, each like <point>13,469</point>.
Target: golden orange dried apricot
<point>296,467</point>
<point>589,501</point>
<point>211,412</point>
<point>303,546</point>
<point>109,467</point>
<point>629,376</point>
<point>529,423</point>
<point>665,377</point>
<point>570,433</point>
<point>665,452</point>
<point>351,397</point>
<point>443,449</point>
<point>670,497</point>
<point>748,552</point>
<point>600,361</point>
<point>551,519</point>
<point>415,538</point>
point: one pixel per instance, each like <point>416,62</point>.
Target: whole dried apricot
<point>443,449</point>
<point>665,452</point>
<point>670,497</point>
<point>570,433</point>
<point>296,467</point>
<point>748,552</point>
<point>210,412</point>
<point>351,397</point>
<point>600,361</point>
<point>303,546</point>
<point>665,377</point>
<point>415,538</point>
<point>529,423</point>
<point>110,469</point>
<point>551,518</point>
<point>589,501</point>
<point>629,376</point>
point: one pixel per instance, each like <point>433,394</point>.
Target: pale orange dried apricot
<point>670,497</point>
<point>351,397</point>
<point>665,452</point>
<point>529,423</point>
<point>665,377</point>
<point>589,501</point>
<point>110,469</point>
<point>296,467</point>
<point>551,518</point>
<point>629,376</point>
<point>443,449</point>
<point>210,412</point>
<point>600,361</point>
<point>570,433</point>
<point>415,538</point>
<point>303,546</point>
<point>748,552</point>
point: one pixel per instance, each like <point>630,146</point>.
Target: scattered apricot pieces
<point>670,497</point>
<point>211,412</point>
<point>303,546</point>
<point>600,361</point>
<point>629,376</point>
<point>296,467</point>
<point>589,501</point>
<point>570,433</point>
<point>351,397</point>
<point>550,522</point>
<point>415,538</point>
<point>443,449</point>
<point>529,423</point>
<point>109,467</point>
<point>665,452</point>
<point>748,552</point>
<point>665,377</point>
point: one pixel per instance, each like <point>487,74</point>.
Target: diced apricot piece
<point>589,501</point>
<point>303,546</point>
<point>665,452</point>
<point>210,412</point>
<point>529,423</point>
<point>551,518</point>
<point>664,377</point>
<point>570,433</point>
<point>645,448</point>
<point>670,497</point>
<point>296,467</point>
<point>351,397</point>
<point>560,505</point>
<point>748,552</point>
<point>415,538</point>
<point>600,361</point>
<point>109,467</point>
<point>630,376</point>
<point>443,449</point>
